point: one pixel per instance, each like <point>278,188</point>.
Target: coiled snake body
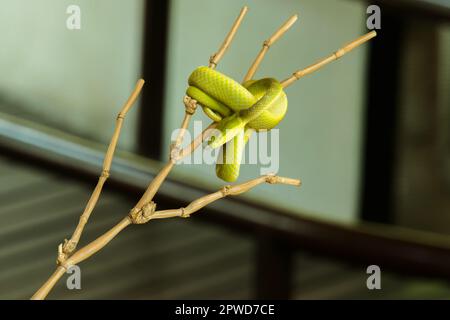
<point>239,110</point>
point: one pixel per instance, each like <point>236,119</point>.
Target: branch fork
<point>145,209</point>
<point>142,215</point>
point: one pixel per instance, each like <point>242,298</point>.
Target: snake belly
<point>239,109</point>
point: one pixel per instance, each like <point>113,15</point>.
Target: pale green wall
<point>79,79</point>
<point>321,136</point>
<point>74,79</point>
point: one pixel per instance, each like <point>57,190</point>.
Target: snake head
<point>226,130</point>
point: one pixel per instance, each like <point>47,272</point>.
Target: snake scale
<point>238,109</point>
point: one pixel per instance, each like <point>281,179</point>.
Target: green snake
<point>238,109</point>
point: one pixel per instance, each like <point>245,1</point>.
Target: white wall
<point>321,135</point>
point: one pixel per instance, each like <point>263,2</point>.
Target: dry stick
<point>69,246</point>
<point>64,250</point>
<point>214,59</point>
<point>79,255</point>
<point>139,214</point>
<point>199,203</point>
<point>184,212</point>
<point>339,53</point>
<point>266,45</point>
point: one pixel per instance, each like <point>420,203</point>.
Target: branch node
<point>339,53</point>
<point>190,105</point>
<point>184,214</point>
<point>212,62</point>
<point>65,249</point>
<point>272,179</point>
<point>267,44</point>
<point>120,116</point>
<point>225,190</point>
<point>105,174</point>
<point>69,246</point>
<point>298,75</point>
<point>142,215</point>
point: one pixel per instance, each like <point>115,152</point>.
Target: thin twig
<point>215,58</point>
<point>99,243</point>
<point>225,191</point>
<point>336,55</point>
<point>69,245</point>
<point>266,45</point>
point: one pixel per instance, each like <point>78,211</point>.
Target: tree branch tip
<point>295,182</point>
<point>273,179</point>
<point>293,18</point>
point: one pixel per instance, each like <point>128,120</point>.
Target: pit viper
<point>238,109</point>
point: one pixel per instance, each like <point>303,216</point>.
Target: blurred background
<point>368,135</point>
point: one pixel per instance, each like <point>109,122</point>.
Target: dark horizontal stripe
<point>170,259</point>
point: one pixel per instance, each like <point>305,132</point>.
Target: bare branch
<point>225,191</point>
<point>69,245</point>
<point>266,45</point>
<point>215,58</point>
<point>339,53</point>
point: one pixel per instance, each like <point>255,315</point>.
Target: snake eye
<point>226,130</point>
<point>217,139</point>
